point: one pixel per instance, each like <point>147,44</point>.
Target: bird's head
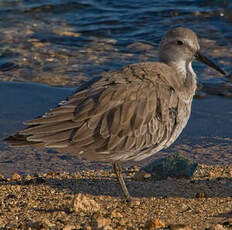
<point>180,46</point>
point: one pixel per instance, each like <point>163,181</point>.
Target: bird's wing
<point>126,111</point>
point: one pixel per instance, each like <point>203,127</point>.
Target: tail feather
<point>21,140</point>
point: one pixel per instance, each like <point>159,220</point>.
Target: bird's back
<point>125,115</point>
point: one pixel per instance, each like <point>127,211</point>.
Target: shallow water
<point>63,42</point>
<point>60,42</point>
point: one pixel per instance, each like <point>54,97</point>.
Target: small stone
<point>216,227</point>
<point>142,175</point>
<point>83,203</point>
<point>103,222</point>
<point>179,227</point>
<point>123,222</point>
<point>69,227</point>
<point>134,168</point>
<point>51,173</point>
<point>174,166</point>
<point>200,195</point>
<point>48,223</point>
<point>154,224</point>
<point>2,178</point>
<point>116,214</point>
<point>88,227</point>
<point>27,177</point>
<point>36,225</point>
<point>11,196</point>
<point>16,176</point>
<point>16,188</point>
<point>107,228</point>
<point>135,202</point>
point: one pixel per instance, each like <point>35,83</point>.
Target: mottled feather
<point>123,113</point>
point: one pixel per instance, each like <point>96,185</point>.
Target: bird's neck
<point>184,69</point>
<point>186,77</point>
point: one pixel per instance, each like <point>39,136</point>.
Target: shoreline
<point>92,200</point>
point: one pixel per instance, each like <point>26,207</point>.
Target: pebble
<point>2,178</point>
<point>200,195</point>
<point>51,174</point>
<point>116,214</point>
<point>136,202</point>
<point>103,222</point>
<point>36,225</point>
<point>27,177</point>
<point>69,227</point>
<point>173,166</point>
<point>142,175</point>
<point>216,227</point>
<point>134,168</point>
<point>83,203</point>
<point>16,188</point>
<point>16,176</point>
<point>154,224</point>
<point>179,227</point>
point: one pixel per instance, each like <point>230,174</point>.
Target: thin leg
<point>118,172</point>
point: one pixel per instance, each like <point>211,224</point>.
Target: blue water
<point>125,22</point>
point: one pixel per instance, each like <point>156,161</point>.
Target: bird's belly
<point>163,135</point>
<point>168,137</point>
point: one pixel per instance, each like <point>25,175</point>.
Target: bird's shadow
<point>170,188</point>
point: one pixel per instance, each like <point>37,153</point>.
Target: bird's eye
<point>179,43</point>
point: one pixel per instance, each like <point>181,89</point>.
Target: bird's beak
<point>200,57</point>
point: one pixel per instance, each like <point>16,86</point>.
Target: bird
<point>127,114</point>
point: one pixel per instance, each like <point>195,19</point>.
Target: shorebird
<point>128,114</point>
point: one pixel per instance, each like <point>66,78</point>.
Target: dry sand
<point>41,196</point>
<point>92,200</point>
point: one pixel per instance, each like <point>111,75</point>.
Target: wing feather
<point>50,128</point>
<point>82,133</point>
<point>51,119</point>
<point>56,137</point>
<point>128,112</point>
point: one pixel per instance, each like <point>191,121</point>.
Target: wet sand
<point>207,138</point>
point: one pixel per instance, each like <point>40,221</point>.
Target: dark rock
<point>174,166</point>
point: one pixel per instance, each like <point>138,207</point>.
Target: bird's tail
<point>19,140</point>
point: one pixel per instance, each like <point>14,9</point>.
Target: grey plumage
<point>135,109</point>
<point>127,114</point>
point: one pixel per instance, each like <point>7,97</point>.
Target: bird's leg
<point>118,172</point>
